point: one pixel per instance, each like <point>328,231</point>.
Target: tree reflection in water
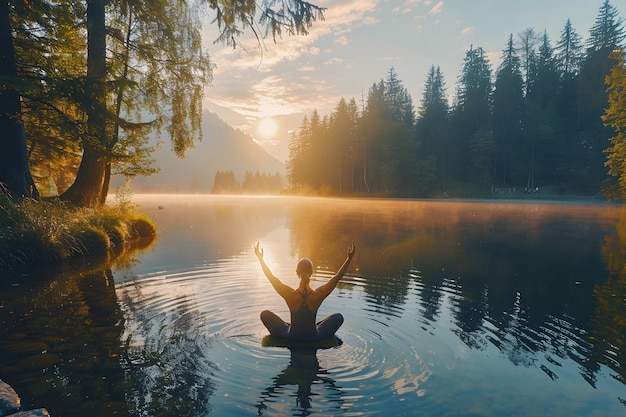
<point>60,338</point>
<point>66,346</point>
<point>521,277</point>
<point>526,279</point>
<point>608,325</point>
<point>165,364</point>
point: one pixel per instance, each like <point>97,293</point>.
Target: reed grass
<point>33,232</point>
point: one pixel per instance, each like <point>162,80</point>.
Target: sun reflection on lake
<point>449,306</point>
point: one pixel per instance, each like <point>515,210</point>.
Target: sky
<point>265,90</point>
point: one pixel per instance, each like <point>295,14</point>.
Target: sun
<point>267,127</point>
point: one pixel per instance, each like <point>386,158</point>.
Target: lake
<point>485,308</point>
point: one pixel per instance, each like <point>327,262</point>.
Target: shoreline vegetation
<point>515,194</point>
<point>36,232</point>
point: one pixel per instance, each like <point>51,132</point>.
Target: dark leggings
<point>279,328</point>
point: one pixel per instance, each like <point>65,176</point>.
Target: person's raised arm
<point>325,290</point>
<point>280,288</point>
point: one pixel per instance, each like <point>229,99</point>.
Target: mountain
<point>222,148</point>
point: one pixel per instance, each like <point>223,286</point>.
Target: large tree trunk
<point>15,177</point>
<point>88,188</point>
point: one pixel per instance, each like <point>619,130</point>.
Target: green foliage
<point>152,76</point>
<point>95,78</point>
<point>615,117</point>
<point>50,231</point>
<point>569,52</point>
<point>605,35</point>
<point>472,110</point>
<point>293,16</point>
<point>607,30</point>
<point>376,151</point>
<point>497,151</point>
<point>433,125</point>
<point>483,157</point>
<point>537,123</point>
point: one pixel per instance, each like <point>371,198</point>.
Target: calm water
<point>452,309</point>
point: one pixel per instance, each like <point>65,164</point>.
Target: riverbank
<point>37,232</point>
<point>463,192</point>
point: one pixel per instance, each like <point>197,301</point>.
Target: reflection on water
<point>60,339</point>
<point>451,309</point>
<point>303,372</point>
<point>164,362</point>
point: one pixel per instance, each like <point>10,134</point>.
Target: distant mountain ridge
<point>223,148</point>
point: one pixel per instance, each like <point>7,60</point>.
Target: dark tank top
<point>303,322</point>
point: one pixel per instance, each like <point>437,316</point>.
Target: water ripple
<point>393,342</point>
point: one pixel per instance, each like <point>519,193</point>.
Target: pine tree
<point>569,57</point>
<point>569,52</point>
<point>342,135</point>
<point>542,150</point>
<point>318,163</point>
<point>300,156</point>
<point>432,128</point>
<point>472,110</point>
<point>526,49</point>
<point>508,98</point>
<point>607,31</point>
<point>606,34</point>
<point>398,100</point>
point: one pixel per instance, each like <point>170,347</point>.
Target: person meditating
<point>303,303</point>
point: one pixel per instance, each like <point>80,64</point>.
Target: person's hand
<point>351,250</point>
<point>257,251</point>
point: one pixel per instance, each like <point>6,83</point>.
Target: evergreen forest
<point>225,182</point>
<point>539,121</point>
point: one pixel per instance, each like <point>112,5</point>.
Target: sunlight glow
<point>267,127</point>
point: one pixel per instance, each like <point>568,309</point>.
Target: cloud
<point>275,95</point>
<point>390,58</point>
<point>436,8</point>
<point>410,3</point>
<point>334,60</point>
<point>342,40</point>
<point>237,72</point>
<point>467,31</point>
<point>369,20</point>
<point>408,6</point>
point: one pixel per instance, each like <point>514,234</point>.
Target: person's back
<point>303,303</point>
<point>303,321</point>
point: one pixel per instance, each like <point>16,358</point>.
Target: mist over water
<point>451,308</point>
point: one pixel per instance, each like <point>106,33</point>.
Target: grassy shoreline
<point>38,232</point>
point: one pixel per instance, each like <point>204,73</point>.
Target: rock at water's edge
<point>40,412</point>
<point>9,400</point>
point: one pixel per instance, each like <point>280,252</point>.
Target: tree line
<point>535,120</point>
<point>84,83</point>
<point>226,182</point>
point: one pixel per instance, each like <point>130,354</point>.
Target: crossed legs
<point>276,326</point>
<point>280,328</point>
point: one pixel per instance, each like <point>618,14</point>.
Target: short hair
<point>305,266</point>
